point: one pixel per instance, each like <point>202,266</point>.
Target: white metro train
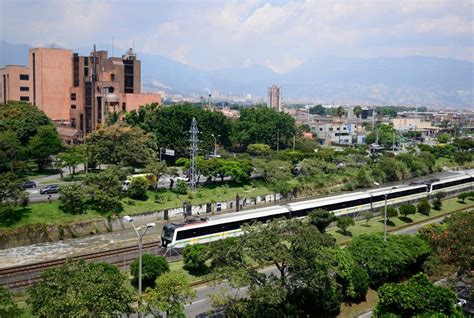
<point>227,225</point>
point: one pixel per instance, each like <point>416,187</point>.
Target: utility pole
<point>193,145</point>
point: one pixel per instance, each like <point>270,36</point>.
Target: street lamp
<point>215,144</point>
<point>129,219</point>
<point>385,212</point>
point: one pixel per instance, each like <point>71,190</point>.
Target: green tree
<point>444,138</point>
<point>171,292</point>
<point>10,149</point>
<point>358,112</point>
<point>104,190</point>
<point>386,134</point>
<point>305,272</point>
<point>463,157</point>
<point>122,145</point>
<point>194,258</point>
<point>389,111</point>
<point>22,118</point>
<point>437,203</point>
<point>158,169</point>
<point>463,144</point>
<point>73,199</point>
<point>152,267</point>
<point>452,244</point>
<point>318,110</point>
<point>343,222</point>
<point>44,144</point>
<point>424,207</point>
<point>321,219</point>
<point>353,279</point>
<point>138,189</point>
<point>72,157</point>
<point>226,252</point>
<point>258,149</point>
<point>367,215</point>
<point>340,112</point>
<point>407,209</point>
<point>391,213</point>
<point>7,307</point>
<point>9,188</point>
<point>80,289</point>
<point>261,125</point>
<point>170,125</point>
<point>416,298</point>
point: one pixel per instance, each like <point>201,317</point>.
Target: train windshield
<point>168,233</point>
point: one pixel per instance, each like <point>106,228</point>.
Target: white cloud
<point>214,34</point>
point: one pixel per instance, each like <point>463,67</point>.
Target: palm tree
<point>358,112</point>
<point>340,111</point>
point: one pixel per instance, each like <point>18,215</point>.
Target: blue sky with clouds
<point>278,34</point>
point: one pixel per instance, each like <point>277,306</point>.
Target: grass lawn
<point>376,224</point>
<point>50,213</point>
<point>354,309</point>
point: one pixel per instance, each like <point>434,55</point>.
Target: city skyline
<point>280,35</point>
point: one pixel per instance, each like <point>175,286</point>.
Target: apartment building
<point>275,98</point>
<point>77,92</point>
<point>15,84</point>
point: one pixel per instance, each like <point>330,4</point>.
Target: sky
<point>280,35</point>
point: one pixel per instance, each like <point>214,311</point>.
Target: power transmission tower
<point>193,145</point>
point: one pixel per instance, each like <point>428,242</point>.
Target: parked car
<point>28,184</point>
<point>50,189</point>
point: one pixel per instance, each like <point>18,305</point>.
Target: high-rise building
<point>77,92</point>
<point>15,83</point>
<point>274,98</point>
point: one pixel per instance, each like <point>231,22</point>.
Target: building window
<point>343,128</point>
<point>112,77</point>
<point>86,71</point>
<point>73,96</point>
<point>73,106</point>
<point>124,107</point>
<point>24,88</point>
<point>321,129</point>
<point>24,77</point>
<point>73,122</point>
<point>330,129</point>
<point>25,98</point>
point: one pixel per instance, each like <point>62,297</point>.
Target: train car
<point>219,227</point>
<point>180,235</point>
<point>453,184</point>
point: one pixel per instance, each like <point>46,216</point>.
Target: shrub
<point>181,187</point>
<point>424,207</point>
<point>353,279</point>
<point>437,203</point>
<point>195,257</point>
<point>391,213</point>
<point>72,199</point>
<point>321,219</point>
<point>138,188</point>
<point>407,209</point>
<point>152,267</point>
<point>385,260</point>
<point>344,222</point>
<point>418,297</point>
<point>367,216</point>
<point>8,308</point>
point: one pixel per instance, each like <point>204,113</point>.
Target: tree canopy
<point>80,289</point>
<point>122,145</point>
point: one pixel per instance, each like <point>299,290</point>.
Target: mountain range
<point>428,81</point>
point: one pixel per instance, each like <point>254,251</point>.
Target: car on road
<point>28,184</point>
<point>53,188</point>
